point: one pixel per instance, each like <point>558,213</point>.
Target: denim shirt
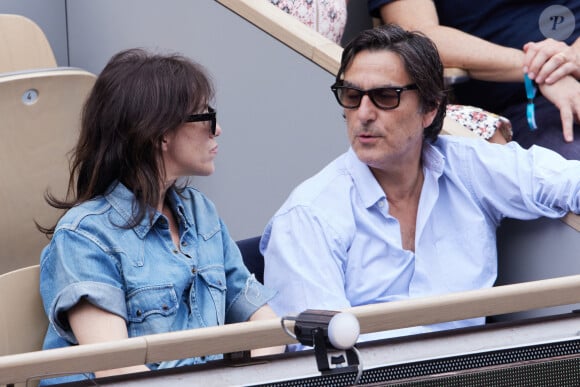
<point>138,273</point>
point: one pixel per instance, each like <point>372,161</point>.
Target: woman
<point>137,252</point>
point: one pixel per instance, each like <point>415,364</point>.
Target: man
<point>498,41</point>
<point>404,212</point>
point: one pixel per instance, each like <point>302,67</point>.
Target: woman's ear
<point>164,142</point>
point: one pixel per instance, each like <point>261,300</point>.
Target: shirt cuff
<point>103,296</point>
<point>251,298</point>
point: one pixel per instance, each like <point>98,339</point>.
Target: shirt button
<point>164,307</point>
<point>193,271</point>
<point>381,203</point>
<point>184,243</point>
<point>175,251</point>
<point>139,313</point>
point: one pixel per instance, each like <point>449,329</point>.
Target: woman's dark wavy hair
<point>137,98</point>
<point>420,58</point>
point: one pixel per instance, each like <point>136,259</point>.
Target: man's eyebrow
<point>384,86</point>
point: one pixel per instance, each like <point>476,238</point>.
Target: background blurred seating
<point>23,45</point>
<point>23,328</point>
<point>40,112</point>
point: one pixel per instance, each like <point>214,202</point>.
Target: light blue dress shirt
<point>138,273</point>
<point>333,244</point>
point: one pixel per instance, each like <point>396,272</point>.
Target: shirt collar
<point>367,186</point>
<point>369,189</point>
<point>122,200</point>
<point>178,207</point>
<point>433,159</point>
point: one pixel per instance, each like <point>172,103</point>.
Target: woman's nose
<point>218,130</point>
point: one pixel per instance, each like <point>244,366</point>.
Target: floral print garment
<point>328,17</point>
<point>479,121</point>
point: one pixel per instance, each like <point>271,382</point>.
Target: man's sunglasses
<point>385,98</point>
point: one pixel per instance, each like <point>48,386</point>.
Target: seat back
<point>40,112</point>
<point>23,322</point>
<point>23,45</point>
<point>253,259</point>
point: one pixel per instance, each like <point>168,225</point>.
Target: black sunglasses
<point>385,98</point>
<point>209,116</point>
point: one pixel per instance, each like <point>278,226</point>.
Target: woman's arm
<point>491,62</point>
<point>94,325</point>
<point>481,59</point>
<point>264,313</point>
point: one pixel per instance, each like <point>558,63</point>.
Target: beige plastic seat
<point>23,322</point>
<point>23,45</point>
<point>40,112</point>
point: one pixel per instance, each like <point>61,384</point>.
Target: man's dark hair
<point>420,58</point>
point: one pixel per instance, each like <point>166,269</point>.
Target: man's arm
<point>303,262</point>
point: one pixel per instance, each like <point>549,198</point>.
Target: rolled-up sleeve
<point>104,296</point>
<point>75,267</point>
<point>253,296</point>
<point>514,182</point>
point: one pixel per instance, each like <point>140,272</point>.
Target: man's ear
<point>428,118</point>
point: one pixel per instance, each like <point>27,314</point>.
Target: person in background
<point>139,251</point>
<point>497,42</point>
<point>405,212</point>
<point>328,17</point>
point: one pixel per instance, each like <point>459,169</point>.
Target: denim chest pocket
<point>151,309</point>
<point>210,296</point>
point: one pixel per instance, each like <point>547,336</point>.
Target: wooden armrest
<point>301,38</point>
<point>454,75</point>
<point>265,333</point>
<point>572,220</point>
<point>289,30</point>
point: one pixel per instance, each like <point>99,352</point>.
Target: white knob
<point>343,330</point>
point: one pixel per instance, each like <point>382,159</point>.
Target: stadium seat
<point>23,45</point>
<point>40,112</point>
<point>23,322</point>
<point>253,259</point>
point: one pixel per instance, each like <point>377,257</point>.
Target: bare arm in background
<point>491,62</point>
